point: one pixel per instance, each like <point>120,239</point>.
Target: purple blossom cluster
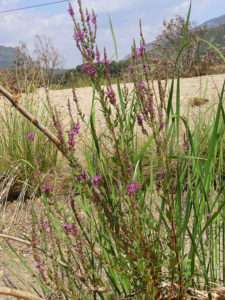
<point>111,95</point>
<point>70,228</point>
<point>140,51</point>
<point>47,188</point>
<point>72,134</point>
<point>70,10</point>
<point>79,36</point>
<point>140,119</point>
<point>96,180</point>
<point>82,177</point>
<point>45,226</point>
<point>89,69</point>
<point>31,136</point>
<point>132,188</point>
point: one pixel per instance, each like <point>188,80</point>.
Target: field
<point>203,87</point>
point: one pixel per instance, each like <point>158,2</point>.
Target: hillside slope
<point>7,56</point>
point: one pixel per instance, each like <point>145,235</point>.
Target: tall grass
<point>22,147</point>
<point>140,219</point>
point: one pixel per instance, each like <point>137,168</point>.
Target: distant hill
<point>216,35</point>
<point>214,22</point>
<point>7,56</point>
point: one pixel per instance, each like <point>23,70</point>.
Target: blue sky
<point>54,22</point>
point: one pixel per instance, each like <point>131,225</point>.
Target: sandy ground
<point>206,87</point>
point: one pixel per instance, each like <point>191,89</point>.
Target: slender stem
<point>18,294</point>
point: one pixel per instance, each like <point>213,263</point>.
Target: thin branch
<point>13,238</point>
<point>18,294</point>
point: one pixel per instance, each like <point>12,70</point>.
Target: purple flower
<point>145,68</point>
<point>46,226</point>
<point>76,129</point>
<point>70,228</point>
<point>71,142</point>
<point>47,188</point>
<point>140,119</point>
<point>141,85</point>
<point>79,36</point>
<point>93,18</point>
<point>70,10</point>
<point>31,136</point>
<point>87,16</point>
<point>97,55</point>
<point>90,53</point>
<point>82,177</point>
<point>72,135</point>
<point>161,126</point>
<point>89,69</point>
<point>141,50</point>
<point>111,95</point>
<point>132,188</point>
<point>96,180</point>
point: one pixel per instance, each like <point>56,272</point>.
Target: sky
<point>55,23</point>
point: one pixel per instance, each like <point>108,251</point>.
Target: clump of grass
<point>137,217</point>
<point>23,148</point>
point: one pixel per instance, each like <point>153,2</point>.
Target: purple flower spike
<point>70,10</point>
<point>111,95</point>
<point>141,51</point>
<point>82,177</point>
<point>93,18</point>
<point>140,119</point>
<point>79,36</point>
<point>132,188</point>
<point>96,180</point>
<point>46,226</point>
<point>97,55</point>
<point>72,135</point>
<point>90,53</point>
<point>88,17</point>
<point>47,188</point>
<point>70,228</point>
<point>89,69</point>
<point>31,136</point>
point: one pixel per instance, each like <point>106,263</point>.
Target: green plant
<point>24,148</point>
<point>138,217</point>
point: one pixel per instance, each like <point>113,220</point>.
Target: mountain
<point>214,22</point>
<point>216,35</point>
<point>7,56</point>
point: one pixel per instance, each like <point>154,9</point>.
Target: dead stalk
<point>13,238</point>
<point>18,294</point>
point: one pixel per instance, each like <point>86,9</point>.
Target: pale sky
<point>54,22</point>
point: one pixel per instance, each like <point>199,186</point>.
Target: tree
<point>177,35</point>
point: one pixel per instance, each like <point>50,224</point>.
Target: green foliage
<point>140,213</point>
<point>30,155</point>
